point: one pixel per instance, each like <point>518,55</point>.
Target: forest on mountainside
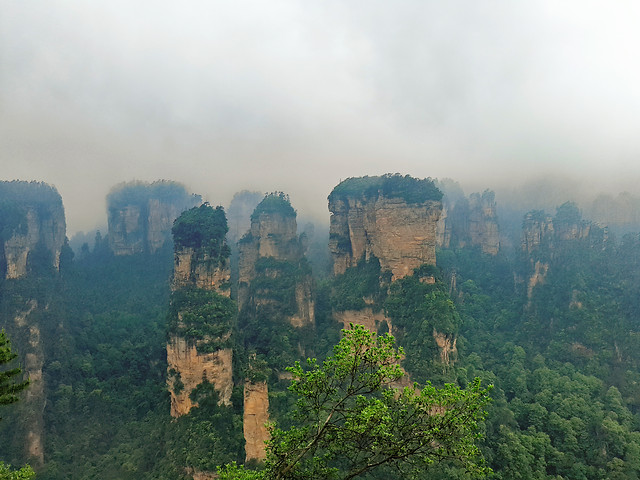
<point>551,321</point>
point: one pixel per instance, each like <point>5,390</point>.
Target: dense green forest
<point>561,351</point>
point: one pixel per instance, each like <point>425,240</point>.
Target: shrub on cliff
<point>202,228</point>
<point>408,188</point>
<point>276,202</point>
<point>203,316</point>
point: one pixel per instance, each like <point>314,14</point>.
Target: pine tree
<point>9,386</point>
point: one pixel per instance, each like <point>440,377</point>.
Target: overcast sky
<point>296,95</point>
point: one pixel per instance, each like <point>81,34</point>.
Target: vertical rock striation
<point>383,237</point>
<point>470,222</point>
<point>32,240</point>
<point>275,298</point>
<point>140,215</point>
<point>256,416</point>
<point>201,311</point>
<point>392,217</point>
<point>544,237</point>
<point>272,250</point>
<point>32,227</point>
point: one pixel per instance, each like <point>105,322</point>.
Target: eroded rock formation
<point>192,368</point>
<point>193,268</point>
<point>256,416</point>
<point>544,236</point>
<point>376,216</point>
<point>537,231</point>
<point>447,345</point>
<point>275,298</point>
<point>272,250</point>
<point>367,318</point>
<point>32,224</point>
<point>32,242</point>
<point>470,222</point>
<point>140,215</point>
<point>200,279</point>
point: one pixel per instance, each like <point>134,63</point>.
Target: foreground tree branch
<point>351,420</point>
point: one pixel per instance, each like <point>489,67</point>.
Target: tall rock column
<point>276,306</point>
<point>201,312</point>
<point>272,253</point>
<point>32,241</point>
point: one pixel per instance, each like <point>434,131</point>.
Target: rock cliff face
<point>271,250</point>
<point>380,221</point>
<point>34,400</point>
<point>543,236</point>
<point>366,317</point>
<point>193,368</point>
<point>194,268</point>
<point>256,416</point>
<point>32,224</point>
<point>395,220</point>
<point>201,265</point>
<point>32,237</point>
<point>140,215</point>
<point>470,222</point>
<point>537,232</point>
<point>447,345</point>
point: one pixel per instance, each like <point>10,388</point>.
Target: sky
<point>295,96</point>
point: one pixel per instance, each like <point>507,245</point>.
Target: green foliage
<point>361,286</point>
<point>12,220</point>
<point>139,193</point>
<point>7,473</point>
<point>411,190</point>
<point>16,197</point>
<point>276,281</point>
<point>9,388</point>
<point>418,310</point>
<point>350,421</point>
<point>9,384</point>
<point>264,328</point>
<point>202,228</point>
<point>19,192</point>
<point>209,436</point>
<point>104,340</point>
<point>564,361</point>
<point>568,213</point>
<point>276,202</point>
<point>202,316</point>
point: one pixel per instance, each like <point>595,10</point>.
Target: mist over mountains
<point>227,97</point>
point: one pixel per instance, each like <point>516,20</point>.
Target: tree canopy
<point>275,202</point>
<point>351,420</point>
<point>410,189</point>
<point>202,227</point>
